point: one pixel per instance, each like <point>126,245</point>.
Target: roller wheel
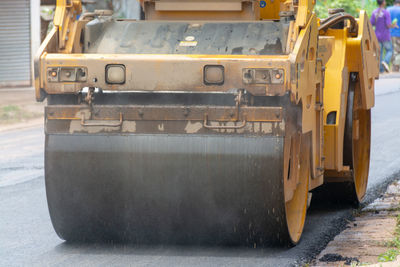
<point>178,189</point>
<point>296,186</point>
<point>357,143</point>
<point>356,152</point>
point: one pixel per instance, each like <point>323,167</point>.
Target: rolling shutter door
<point>15,43</point>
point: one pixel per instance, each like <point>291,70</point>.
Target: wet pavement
<point>27,236</point>
<point>385,147</point>
<point>21,157</point>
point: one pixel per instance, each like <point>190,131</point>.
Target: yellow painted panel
<point>270,9</point>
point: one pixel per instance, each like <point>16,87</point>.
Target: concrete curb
<point>366,237</point>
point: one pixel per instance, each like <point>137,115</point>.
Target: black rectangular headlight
<point>214,75</point>
<point>115,74</point>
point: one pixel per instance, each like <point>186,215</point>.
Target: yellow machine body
<point>304,98</point>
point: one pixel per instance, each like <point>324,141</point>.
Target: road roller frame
<point>317,99</point>
<point>354,60</point>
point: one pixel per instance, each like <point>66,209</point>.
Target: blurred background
<point>351,6</point>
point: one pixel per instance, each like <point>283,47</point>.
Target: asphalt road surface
<point>27,236</point>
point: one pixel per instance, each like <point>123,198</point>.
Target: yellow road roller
<point>205,123</point>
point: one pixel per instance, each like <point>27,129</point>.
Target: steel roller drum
<point>169,189</point>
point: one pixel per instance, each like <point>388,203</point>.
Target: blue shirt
<point>395,14</point>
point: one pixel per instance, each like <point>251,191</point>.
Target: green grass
<point>390,255</point>
<point>394,246</point>
<point>12,113</point>
<point>11,108</point>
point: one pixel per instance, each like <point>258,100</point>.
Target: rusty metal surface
<point>166,127</point>
<point>165,73</point>
<point>167,113</point>
<point>197,38</point>
<point>177,113</point>
<point>179,189</point>
<point>165,119</point>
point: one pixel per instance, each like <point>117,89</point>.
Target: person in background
<point>381,20</point>
<point>395,32</point>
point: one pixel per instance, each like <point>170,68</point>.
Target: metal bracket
<point>89,97</point>
<point>238,100</point>
<point>93,123</point>
<point>207,126</point>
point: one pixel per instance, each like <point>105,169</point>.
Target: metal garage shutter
<point>15,43</point>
